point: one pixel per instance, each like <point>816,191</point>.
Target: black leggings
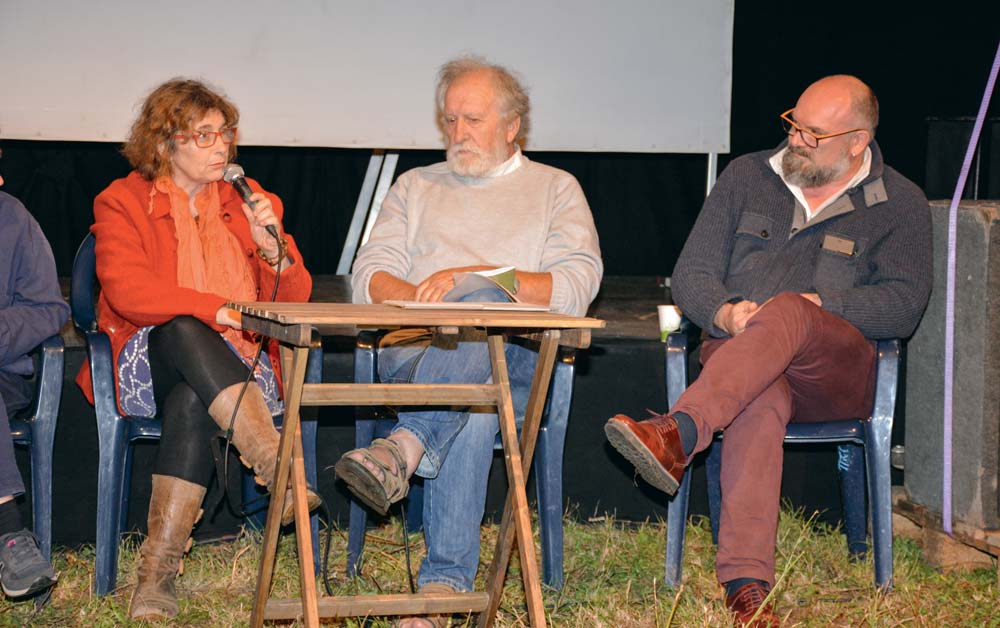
<point>190,364</point>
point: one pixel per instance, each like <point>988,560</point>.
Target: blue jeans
<point>458,446</point>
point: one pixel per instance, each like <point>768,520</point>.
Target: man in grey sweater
<point>487,206</point>
<point>799,258</point>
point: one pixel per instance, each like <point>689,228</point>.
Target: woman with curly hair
<point>173,245</point>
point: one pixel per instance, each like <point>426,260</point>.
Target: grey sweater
<point>867,255</point>
<point>535,219</point>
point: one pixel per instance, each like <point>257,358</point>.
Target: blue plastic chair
<point>547,464</point>
<point>37,430</point>
<point>116,432</point>
<point>873,435</point>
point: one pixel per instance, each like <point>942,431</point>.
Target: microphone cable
<point>222,457</point>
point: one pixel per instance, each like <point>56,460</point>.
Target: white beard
<point>476,163</point>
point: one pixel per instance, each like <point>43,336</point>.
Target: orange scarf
<point>209,257</point>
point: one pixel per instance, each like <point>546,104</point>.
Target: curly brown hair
<point>173,107</point>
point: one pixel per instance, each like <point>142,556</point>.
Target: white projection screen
<point>628,76</point>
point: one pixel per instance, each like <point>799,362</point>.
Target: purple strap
<point>949,303</point>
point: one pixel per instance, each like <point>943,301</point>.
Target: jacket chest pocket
<point>838,261</point>
<point>753,235</point>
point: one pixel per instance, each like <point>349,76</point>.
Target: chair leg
<point>364,434</point>
<point>309,429</point>
<point>877,443</point>
<point>255,500</point>
<point>111,482</point>
<point>415,505</point>
<point>43,433</point>
<point>43,436</point>
<point>677,510</point>
<point>126,491</point>
<point>676,380</point>
<point>548,487</point>
<point>851,469</point>
<point>548,467</point>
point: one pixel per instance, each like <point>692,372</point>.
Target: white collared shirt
<point>859,176</point>
<point>507,167</point>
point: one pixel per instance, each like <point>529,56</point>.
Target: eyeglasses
<point>206,139</point>
<point>809,138</point>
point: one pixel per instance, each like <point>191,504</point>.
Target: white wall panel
<point>632,76</point>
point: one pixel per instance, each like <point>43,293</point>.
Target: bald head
<point>834,121</point>
<point>845,100</point>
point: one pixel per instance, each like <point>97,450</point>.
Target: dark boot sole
<point>38,585</point>
<point>629,445</point>
<point>363,484</point>
<point>313,501</point>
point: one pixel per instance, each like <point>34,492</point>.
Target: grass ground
<point>613,574</point>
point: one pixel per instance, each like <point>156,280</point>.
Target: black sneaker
<point>23,569</point>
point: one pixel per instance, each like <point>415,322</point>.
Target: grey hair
<point>514,100</point>
<point>866,108</point>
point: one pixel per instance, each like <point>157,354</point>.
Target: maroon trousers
<point>793,362</point>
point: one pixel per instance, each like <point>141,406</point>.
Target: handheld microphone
<point>233,173</point>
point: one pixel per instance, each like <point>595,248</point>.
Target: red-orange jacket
<point>137,264</point>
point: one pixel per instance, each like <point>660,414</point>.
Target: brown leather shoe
<point>744,604</point>
<point>653,446</point>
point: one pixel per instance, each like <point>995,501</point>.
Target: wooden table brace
<point>292,323</point>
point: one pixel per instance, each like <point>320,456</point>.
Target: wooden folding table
<point>297,326</point>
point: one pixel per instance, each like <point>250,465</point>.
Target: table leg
<point>529,434</point>
<point>287,463</point>
<point>516,511</point>
<point>303,534</point>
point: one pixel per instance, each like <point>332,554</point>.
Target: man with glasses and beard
<point>800,257</point>
<point>487,206</point>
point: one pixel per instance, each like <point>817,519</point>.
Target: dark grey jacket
<point>867,255</point>
<point>31,306</point>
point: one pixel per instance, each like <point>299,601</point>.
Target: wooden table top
<point>341,314</point>
<point>287,321</point>
<point>626,303</point>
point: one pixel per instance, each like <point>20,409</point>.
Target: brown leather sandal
<point>376,493</point>
<point>430,621</point>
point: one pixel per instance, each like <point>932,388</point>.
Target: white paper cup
<point>670,320</point>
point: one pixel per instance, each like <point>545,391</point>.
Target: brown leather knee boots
<point>174,507</point>
<point>255,436</point>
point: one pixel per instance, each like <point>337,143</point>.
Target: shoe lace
<point>751,597</point>
<point>754,596</point>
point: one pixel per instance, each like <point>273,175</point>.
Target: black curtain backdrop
<point>644,205</point>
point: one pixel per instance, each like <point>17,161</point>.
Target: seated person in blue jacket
<point>801,256</point>
<point>31,310</point>
<point>486,206</point>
